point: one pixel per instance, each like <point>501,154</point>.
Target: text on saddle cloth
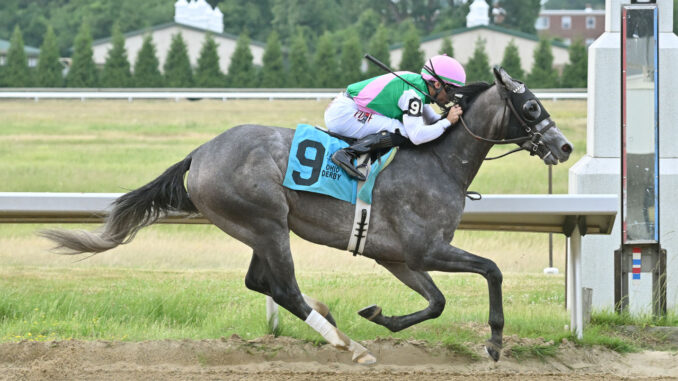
<point>311,169</point>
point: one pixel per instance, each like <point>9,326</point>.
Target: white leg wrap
<point>326,330</point>
<point>339,340</point>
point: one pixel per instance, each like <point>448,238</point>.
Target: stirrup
<point>344,161</point>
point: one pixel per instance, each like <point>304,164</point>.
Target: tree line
<point>259,17</point>
<point>332,64</point>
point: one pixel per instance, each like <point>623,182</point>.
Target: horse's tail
<point>131,212</point>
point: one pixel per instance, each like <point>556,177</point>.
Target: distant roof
<point>31,51</point>
<point>573,12</point>
<point>491,27</point>
<point>171,24</point>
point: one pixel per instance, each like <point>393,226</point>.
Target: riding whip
<point>382,66</point>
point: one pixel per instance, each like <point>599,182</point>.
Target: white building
<point>478,14</point>
<point>32,53</point>
<point>193,20</point>
<point>496,39</point>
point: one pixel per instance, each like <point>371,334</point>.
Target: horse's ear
<point>499,73</point>
<point>503,78</point>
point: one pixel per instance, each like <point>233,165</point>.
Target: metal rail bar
<point>218,94</point>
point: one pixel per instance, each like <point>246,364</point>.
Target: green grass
<point>43,304</point>
<point>120,304</point>
<point>540,351</point>
<point>109,146</point>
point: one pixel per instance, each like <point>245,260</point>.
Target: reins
<point>533,136</point>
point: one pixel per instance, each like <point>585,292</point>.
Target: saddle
<point>397,139</point>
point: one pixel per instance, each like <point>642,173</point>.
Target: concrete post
<point>598,172</point>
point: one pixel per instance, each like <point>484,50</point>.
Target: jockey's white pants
<point>343,117</point>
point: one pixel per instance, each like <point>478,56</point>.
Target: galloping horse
<point>235,181</point>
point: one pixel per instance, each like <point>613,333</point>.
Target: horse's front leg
<point>444,257</point>
<point>420,282</point>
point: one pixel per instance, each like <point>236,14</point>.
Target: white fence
<point>572,215</point>
<point>219,94</point>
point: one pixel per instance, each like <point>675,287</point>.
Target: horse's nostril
<point>566,148</point>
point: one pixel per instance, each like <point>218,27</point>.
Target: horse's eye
<point>531,110</point>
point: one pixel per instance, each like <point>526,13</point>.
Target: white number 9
<point>414,108</point>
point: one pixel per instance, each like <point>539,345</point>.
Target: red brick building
<point>571,25</point>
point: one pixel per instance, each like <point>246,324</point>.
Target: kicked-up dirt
<point>270,358</point>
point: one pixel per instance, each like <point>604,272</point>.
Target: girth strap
<point>361,220</point>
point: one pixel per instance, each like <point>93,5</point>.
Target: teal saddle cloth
<point>310,168</point>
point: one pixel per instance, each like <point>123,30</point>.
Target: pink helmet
<point>444,68</point>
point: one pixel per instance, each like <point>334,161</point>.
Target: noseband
<point>531,142</point>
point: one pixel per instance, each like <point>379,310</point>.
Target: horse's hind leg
<point>448,258</point>
<point>257,279</point>
<point>272,268</point>
<point>420,282</point>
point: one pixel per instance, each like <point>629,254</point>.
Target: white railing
<point>219,94</point>
<point>572,215</point>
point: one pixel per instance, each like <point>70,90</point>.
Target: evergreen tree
<point>478,67</point>
<point>543,75</point>
<point>208,73</point>
<point>453,16</point>
<point>511,61</point>
<point>576,71</point>
<point>413,57</point>
<point>146,71</point>
<point>177,68</point>
<point>367,25</point>
<point>521,14</point>
<point>446,47</point>
<point>116,69</point>
<point>241,70</point>
<point>16,73</point>
<point>379,49</point>
<point>49,68</point>
<point>273,71</point>
<point>325,63</point>
<point>351,59</point>
<point>300,69</point>
<point>83,71</point>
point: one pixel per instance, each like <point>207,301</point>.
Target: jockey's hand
<point>454,113</point>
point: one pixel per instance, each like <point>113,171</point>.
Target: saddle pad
<point>310,167</point>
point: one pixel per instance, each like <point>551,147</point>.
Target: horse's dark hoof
<point>370,312</point>
<point>493,350</point>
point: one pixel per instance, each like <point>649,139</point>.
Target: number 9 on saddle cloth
<point>311,169</point>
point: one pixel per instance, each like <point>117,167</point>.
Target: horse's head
<point>530,125</point>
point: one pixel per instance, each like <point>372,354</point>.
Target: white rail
<point>219,94</point>
<point>572,215</point>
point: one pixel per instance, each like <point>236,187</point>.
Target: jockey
<point>387,103</point>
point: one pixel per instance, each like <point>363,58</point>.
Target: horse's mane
<point>470,92</point>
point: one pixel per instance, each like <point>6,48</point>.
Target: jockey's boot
<point>370,143</point>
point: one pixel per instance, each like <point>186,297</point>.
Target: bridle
<point>535,131</point>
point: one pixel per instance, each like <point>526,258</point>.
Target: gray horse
<point>235,181</point>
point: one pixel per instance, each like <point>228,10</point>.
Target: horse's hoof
<point>493,350</point>
<point>365,358</point>
<point>370,312</point>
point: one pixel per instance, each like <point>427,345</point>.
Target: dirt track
<point>288,359</point>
